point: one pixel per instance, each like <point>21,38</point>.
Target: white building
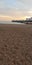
<point>29,19</point>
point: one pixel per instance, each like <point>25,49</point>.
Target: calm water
<point>9,22</point>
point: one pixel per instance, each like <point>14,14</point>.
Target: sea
<point>9,22</point>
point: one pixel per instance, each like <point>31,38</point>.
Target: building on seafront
<point>28,20</point>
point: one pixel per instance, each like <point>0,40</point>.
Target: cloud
<point>15,9</point>
<point>27,3</point>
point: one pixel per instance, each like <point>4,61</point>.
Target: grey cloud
<point>22,8</point>
<point>11,12</point>
<point>27,3</point>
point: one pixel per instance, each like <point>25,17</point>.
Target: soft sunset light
<point>9,18</point>
<point>15,9</point>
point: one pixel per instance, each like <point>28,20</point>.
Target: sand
<point>15,44</point>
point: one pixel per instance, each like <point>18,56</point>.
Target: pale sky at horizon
<point>15,9</point>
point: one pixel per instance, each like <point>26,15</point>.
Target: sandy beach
<point>15,44</point>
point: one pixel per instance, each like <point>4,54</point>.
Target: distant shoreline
<point>9,22</point>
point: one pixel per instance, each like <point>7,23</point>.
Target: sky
<point>15,9</point>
